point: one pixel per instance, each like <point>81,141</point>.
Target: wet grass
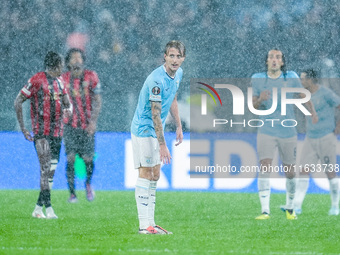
<point>203,223</point>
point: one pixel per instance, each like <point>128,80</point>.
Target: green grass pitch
<point>202,223</point>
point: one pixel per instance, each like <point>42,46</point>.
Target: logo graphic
<point>156,90</point>
<point>204,97</point>
<point>239,99</point>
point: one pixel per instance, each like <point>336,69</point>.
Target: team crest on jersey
<point>156,90</point>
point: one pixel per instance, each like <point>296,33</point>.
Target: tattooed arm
<point>156,109</point>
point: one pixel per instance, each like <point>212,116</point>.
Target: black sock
<point>70,177</point>
<point>89,171</point>
<point>46,197</point>
<point>40,199</point>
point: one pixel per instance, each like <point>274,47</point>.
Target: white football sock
<point>142,200</point>
<point>334,191</point>
<point>152,203</point>
<point>263,184</point>
<point>301,190</point>
<point>290,192</point>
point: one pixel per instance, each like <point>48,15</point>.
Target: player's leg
<point>265,147</point>
<point>55,146</point>
<point>328,156</point>
<point>70,176</point>
<point>152,194</point>
<point>87,152</point>
<point>308,157</point>
<point>148,176</point>
<point>334,192</point>
<point>287,151</point>
<point>156,170</point>
<point>263,184</point>
<point>302,184</point>
<point>70,141</point>
<point>44,155</point>
<point>142,196</point>
<point>89,164</point>
<point>147,161</point>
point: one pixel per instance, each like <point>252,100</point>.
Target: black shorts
<point>54,142</point>
<point>78,141</point>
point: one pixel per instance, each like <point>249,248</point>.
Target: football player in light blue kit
<point>157,97</point>
<point>273,134</point>
<point>319,148</point>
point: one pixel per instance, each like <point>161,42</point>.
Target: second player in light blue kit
<point>273,134</point>
<point>319,148</point>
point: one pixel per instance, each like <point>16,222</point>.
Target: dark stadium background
<point>126,39</point>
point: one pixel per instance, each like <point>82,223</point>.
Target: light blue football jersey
<point>261,82</point>
<point>158,87</point>
<point>324,101</point>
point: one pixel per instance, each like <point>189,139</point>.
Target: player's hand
<point>315,118</point>
<point>164,154</point>
<point>179,136</point>
<point>67,113</point>
<point>265,95</point>
<point>91,128</point>
<point>27,135</point>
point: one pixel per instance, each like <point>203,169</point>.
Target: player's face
<point>76,61</point>
<point>173,60</point>
<point>55,72</point>
<point>274,61</point>
<point>59,69</point>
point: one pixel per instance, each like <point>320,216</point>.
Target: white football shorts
<point>145,151</point>
<point>317,150</point>
<point>266,146</point>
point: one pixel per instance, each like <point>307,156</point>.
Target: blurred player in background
<point>273,135</point>
<point>84,89</point>
<point>157,97</point>
<point>319,148</point>
<point>49,100</point>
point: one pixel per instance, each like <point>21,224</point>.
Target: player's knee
<point>145,173</point>
<point>304,172</point>
<point>331,175</point>
<point>265,165</point>
<point>87,159</point>
<point>155,177</point>
<point>71,157</point>
<point>289,171</point>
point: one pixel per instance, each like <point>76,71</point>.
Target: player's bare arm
<point>310,107</point>
<point>175,115</point>
<point>68,107</point>
<point>96,106</point>
<point>156,109</point>
<point>19,100</point>
<point>337,127</point>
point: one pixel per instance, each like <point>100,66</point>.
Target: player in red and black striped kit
<point>49,101</point>
<point>84,89</point>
